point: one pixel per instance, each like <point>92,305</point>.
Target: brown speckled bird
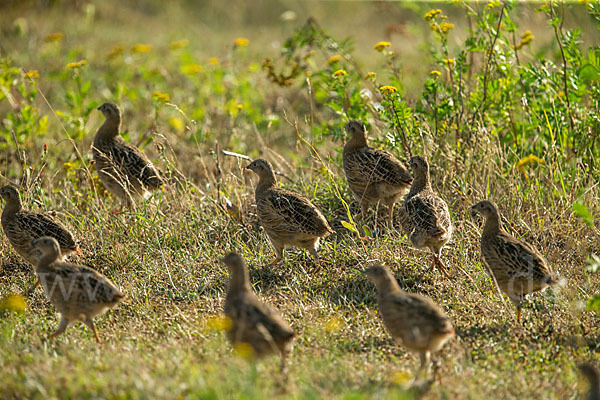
<point>21,227</point>
<point>123,169</point>
<point>373,175</point>
<point>518,268</point>
<point>424,215</point>
<point>287,217</point>
<point>252,322</point>
<point>415,320</point>
<point>78,292</point>
<point>591,374</point>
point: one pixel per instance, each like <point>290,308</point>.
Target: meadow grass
<point>165,342</point>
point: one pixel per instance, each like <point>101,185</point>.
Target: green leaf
<point>589,73</point>
<point>582,212</point>
<point>592,264</point>
<point>367,231</point>
<point>349,226</point>
<point>593,303</point>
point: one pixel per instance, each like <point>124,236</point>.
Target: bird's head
<point>9,193</point>
<point>418,165</point>
<point>260,167</point>
<point>356,129</point>
<point>377,274</point>
<point>485,207</point>
<point>110,111</point>
<point>234,262</point>
<point>46,245</point>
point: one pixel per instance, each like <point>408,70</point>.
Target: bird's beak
<point>248,167</point>
<point>99,108</point>
<point>364,271</point>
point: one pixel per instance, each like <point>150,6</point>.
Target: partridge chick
<point>287,217</point>
<point>518,268</point>
<point>252,322</point>
<point>21,227</point>
<point>78,292</point>
<point>123,169</point>
<point>413,319</point>
<point>373,175</point>
<point>424,214</point>
<point>591,374</point>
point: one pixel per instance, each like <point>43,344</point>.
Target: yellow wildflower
<point>371,76</point>
<point>191,69</point>
<point>241,42</point>
<point>177,123</point>
<point>214,61</point>
<point>494,3</point>
<point>33,74</point>
<point>115,52</point>
<point>387,90</point>
<point>446,26</point>
<point>449,61</point>
<point>179,44</point>
<point>77,64</point>
<point>13,302</point>
<point>54,37</point>
<point>340,72</point>
<point>380,46</point>
<point>219,323</point>
<point>334,59</point>
<point>431,14</point>
<point>243,350</point>
<point>141,48</point>
<point>435,73</point>
<point>161,97</point>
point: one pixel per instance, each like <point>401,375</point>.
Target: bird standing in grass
<point>424,215</point>
<point>253,323</point>
<point>415,320</point>
<point>78,292</point>
<point>518,268</point>
<point>373,175</point>
<point>287,217</point>
<point>21,227</point>
<point>122,168</point>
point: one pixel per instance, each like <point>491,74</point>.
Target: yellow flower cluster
<point>78,64</point>
<point>388,90</point>
<point>334,59</point>
<point>340,72</point>
<point>380,46</point>
<point>446,26</point>
<point>161,97</point>
<point>54,37</point>
<point>179,44</point>
<point>494,3</point>
<point>241,42</point>
<point>435,73</point>
<point>431,14</point>
<point>371,76</point>
<point>191,69</point>
<point>33,74</point>
<point>526,38</point>
<point>449,61</point>
<point>214,61</point>
<point>141,48</point>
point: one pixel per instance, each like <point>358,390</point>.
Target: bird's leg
<point>62,326</point>
<point>90,324</point>
<point>278,253</point>
<point>391,213</point>
<point>313,252</point>
<point>35,285</point>
<point>519,314</point>
<point>424,356</point>
<point>440,264</point>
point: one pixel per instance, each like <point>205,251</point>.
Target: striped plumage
<point>78,292</point>
<point>123,169</point>
<point>21,227</point>
<point>253,322</point>
<point>424,215</point>
<point>373,175</point>
<point>518,267</point>
<point>416,321</point>
<point>287,217</point>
